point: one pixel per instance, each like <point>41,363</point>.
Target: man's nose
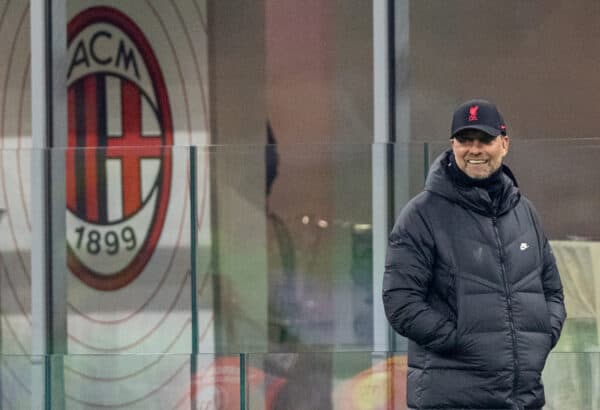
<point>476,146</point>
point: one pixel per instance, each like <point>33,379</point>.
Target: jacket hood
<point>477,199</point>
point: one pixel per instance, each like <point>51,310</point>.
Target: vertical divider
<point>48,202</point>
<point>47,381</point>
<point>193,271</point>
<point>243,391</point>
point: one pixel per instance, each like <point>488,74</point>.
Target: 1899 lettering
<point>95,241</point>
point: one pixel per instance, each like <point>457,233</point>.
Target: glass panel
<point>571,381</point>
<point>377,380</point>
<point>15,380</point>
<point>203,331</point>
<point>294,258</point>
<point>558,177</point>
<point>170,381</point>
<point>349,381</point>
<point>237,260</point>
<point>15,274</point>
<point>411,165</point>
<point>320,247</point>
<point>298,277</point>
<point>128,250</point>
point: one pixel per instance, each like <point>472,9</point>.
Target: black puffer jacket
<point>477,292</point>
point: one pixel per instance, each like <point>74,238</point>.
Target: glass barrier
<point>324,380</point>
<point>169,381</point>
<point>263,251</point>
<point>377,380</point>
<point>16,387</point>
<point>571,380</point>
<point>293,226</point>
<point>15,245</point>
<point>128,250</point>
<point>558,177</point>
<point>319,380</point>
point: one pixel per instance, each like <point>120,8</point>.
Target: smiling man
<point>479,139</point>
<point>470,278</point>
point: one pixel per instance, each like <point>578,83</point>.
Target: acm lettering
<point>85,53</point>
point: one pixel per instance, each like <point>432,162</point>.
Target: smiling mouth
<point>476,161</point>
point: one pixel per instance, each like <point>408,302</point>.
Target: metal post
<point>243,382</point>
<point>194,250</point>
<point>405,153</point>
<point>381,171</point>
<point>48,249</point>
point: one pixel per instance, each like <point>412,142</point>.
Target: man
<point>471,280</point>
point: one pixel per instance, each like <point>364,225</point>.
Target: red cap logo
<point>473,113</point>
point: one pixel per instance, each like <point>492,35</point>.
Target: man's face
<point>478,154</point>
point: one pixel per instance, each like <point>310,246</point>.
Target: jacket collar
<point>474,198</point>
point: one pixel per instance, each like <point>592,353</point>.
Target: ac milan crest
<point>119,160</point>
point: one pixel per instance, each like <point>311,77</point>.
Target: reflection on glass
<point>349,380</point>
<point>314,284</point>
<point>557,192</point>
<point>571,381</point>
<point>319,246</point>
<point>15,381</point>
<point>15,278</point>
<point>169,381</point>
<point>128,251</point>
<point>580,272</point>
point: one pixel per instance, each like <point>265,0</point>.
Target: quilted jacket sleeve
<point>407,277</point>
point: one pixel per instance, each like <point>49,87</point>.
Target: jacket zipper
<point>508,306</point>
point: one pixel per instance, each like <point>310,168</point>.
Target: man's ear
<point>505,142</point>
